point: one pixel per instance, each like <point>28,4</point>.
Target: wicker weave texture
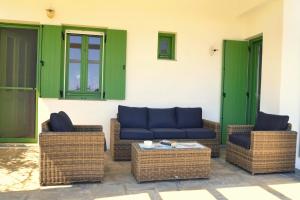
<point>121,149</point>
<point>70,157</point>
<point>270,151</point>
<point>152,165</point>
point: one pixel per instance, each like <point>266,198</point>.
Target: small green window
<point>84,66</point>
<point>166,46</point>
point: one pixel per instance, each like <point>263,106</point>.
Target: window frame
<point>172,37</point>
<point>85,95</point>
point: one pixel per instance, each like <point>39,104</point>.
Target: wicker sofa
<point>68,157</point>
<point>264,152</point>
<point>121,148</point>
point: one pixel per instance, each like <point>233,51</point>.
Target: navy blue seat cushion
<point>132,117</point>
<point>68,122</point>
<point>59,124</point>
<point>189,117</point>
<point>168,133</point>
<point>162,118</point>
<point>200,133</point>
<point>136,134</point>
<point>269,122</point>
<point>241,139</point>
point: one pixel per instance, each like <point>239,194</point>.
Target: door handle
<point>247,94</point>
<point>224,94</point>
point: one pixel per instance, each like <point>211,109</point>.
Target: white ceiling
<point>231,8</point>
<point>247,5</point>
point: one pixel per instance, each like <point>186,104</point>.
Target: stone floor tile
<point>19,180</point>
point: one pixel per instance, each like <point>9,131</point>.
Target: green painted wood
<point>115,64</point>
<point>17,48</point>
<point>83,93</point>
<point>19,100</point>
<point>170,38</point>
<point>3,58</point>
<point>51,57</point>
<point>254,82</point>
<point>234,92</point>
<point>19,114</point>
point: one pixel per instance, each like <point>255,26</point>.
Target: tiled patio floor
<point>19,176</point>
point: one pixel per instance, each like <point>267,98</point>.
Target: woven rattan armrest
<point>50,133</point>
<point>239,129</point>
<point>273,140</point>
<point>115,127</point>
<point>273,133</point>
<point>214,126</point>
<point>61,137</point>
<point>211,124</point>
<point>82,128</point>
<point>78,128</point>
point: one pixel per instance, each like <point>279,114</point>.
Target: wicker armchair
<point>68,157</point>
<point>270,151</point>
<point>121,149</point>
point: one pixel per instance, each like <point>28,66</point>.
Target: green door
<point>18,61</point>
<point>234,91</point>
<point>254,76</point>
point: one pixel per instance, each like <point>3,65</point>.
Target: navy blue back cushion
<point>162,118</point>
<point>132,117</point>
<point>189,117</point>
<point>269,122</point>
<point>68,123</point>
<point>58,124</point>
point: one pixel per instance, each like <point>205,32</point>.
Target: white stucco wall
<point>194,79</point>
<point>278,21</point>
<point>290,73</point>
<point>266,19</point>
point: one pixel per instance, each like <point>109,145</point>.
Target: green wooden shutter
<point>255,62</point>
<point>50,61</point>
<point>115,64</point>
<point>234,101</point>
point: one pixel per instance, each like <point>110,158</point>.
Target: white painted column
<point>290,72</point>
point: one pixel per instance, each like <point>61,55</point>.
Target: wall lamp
<point>50,13</point>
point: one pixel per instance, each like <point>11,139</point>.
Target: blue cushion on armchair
<point>241,139</point>
<point>162,118</point>
<point>189,117</point>
<point>132,117</point>
<point>269,122</point>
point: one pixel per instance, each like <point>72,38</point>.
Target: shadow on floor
<point>20,180</point>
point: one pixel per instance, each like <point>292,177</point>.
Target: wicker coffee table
<point>170,163</point>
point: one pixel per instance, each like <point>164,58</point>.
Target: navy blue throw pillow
<point>60,122</point>
<point>269,122</point>
<point>189,117</point>
<point>132,117</point>
<point>57,123</point>
<point>68,123</point>
<point>162,118</point>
